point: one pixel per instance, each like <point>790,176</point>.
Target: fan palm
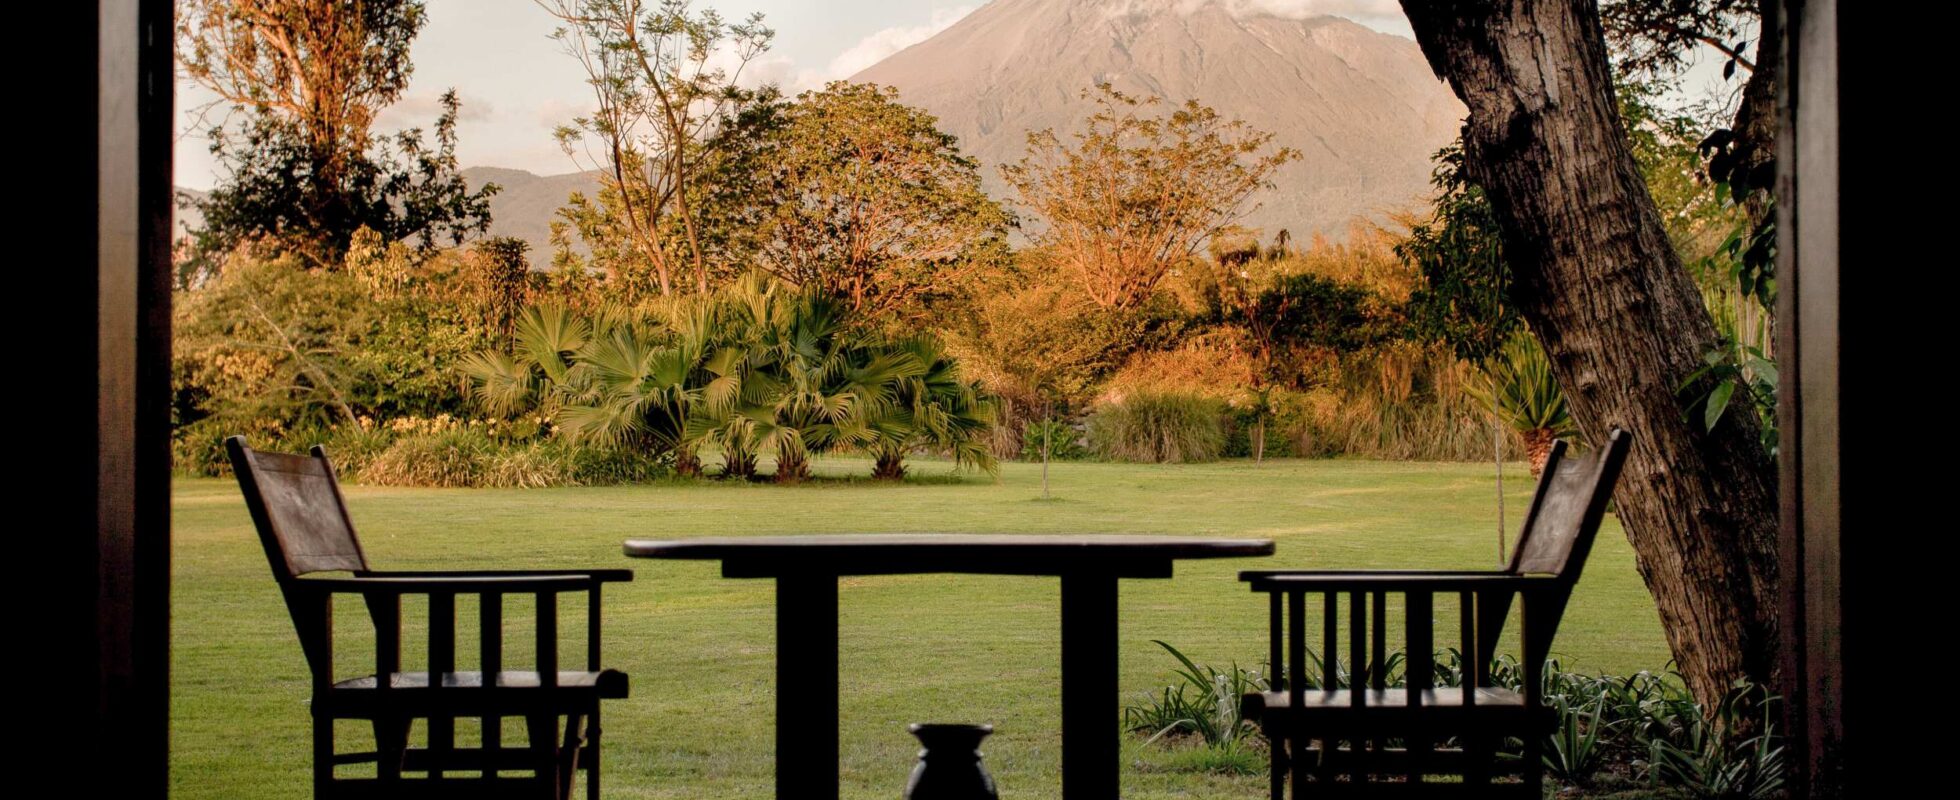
<point>540,371</point>
<point>797,380</point>
<point>934,408</point>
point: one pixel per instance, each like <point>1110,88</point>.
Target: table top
<point>1124,555</point>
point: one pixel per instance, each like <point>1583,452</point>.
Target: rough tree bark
<point>1755,115</point>
<point>1619,316</point>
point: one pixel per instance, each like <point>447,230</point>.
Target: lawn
<point>915,648</point>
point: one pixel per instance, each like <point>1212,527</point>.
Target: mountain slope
<point>1362,107</point>
<point>525,203</point>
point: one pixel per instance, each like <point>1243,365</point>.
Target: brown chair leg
<point>442,745</point>
<point>568,757</point>
<point>1479,753</point>
<point>390,747</point>
<point>322,755</point>
<point>592,755</point>
<point>1330,752</point>
<point>543,734</point>
<point>1278,778</point>
<point>493,743</point>
<point>1534,765</point>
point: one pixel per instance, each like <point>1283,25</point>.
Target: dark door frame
<point>113,596</point>
<point>112,190</point>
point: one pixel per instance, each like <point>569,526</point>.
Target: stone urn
<point>949,766</point>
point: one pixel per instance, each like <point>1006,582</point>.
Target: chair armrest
<point>449,583</point>
<point>1392,581</point>
<point>600,575</point>
<point>1257,574</point>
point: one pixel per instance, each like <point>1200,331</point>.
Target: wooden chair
<point>302,521</point>
<point>1367,739</point>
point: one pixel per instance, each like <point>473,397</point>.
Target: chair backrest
<point>296,504</point>
<point>1567,509</point>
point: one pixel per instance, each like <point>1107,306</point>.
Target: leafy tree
<point>1137,194</point>
<point>663,84</point>
<point>1657,39</point>
<point>1621,320</point>
<point>325,67</point>
<point>1286,321</point>
<point>849,192</point>
<point>302,82</point>
<point>1660,38</point>
<point>269,341</point>
<point>1463,300</point>
<point>503,282</point>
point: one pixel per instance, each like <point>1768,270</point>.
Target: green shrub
<point>528,466</point>
<point>352,448</point>
<point>1241,422</point>
<point>198,449</point>
<point>1064,441</point>
<point>1203,703</point>
<point>606,466</point>
<point>1159,428</point>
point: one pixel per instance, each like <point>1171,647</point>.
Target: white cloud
<point>1382,15</point>
<point>883,44</point>
<point>422,108</point>
<point>771,68</point>
<point>1300,9</point>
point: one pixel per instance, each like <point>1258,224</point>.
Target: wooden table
<point>806,569</point>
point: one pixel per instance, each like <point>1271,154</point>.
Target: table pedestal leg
<point>1090,756</point>
<point>806,688</point>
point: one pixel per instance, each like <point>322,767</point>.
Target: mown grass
<point>915,647</point>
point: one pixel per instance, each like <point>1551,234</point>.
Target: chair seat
<point>609,684</point>
<point>1389,708</point>
<point>464,694</point>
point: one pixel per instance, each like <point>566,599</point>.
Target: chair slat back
<point>1566,511</point>
<point>296,504</point>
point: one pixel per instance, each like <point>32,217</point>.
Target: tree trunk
<point>1538,449</point>
<point>1047,430</point>
<point>1755,115</point>
<point>687,462</point>
<point>1619,317</point>
<point>1259,440</point>
<point>890,465</point>
<point>792,467</point>
<point>738,462</point>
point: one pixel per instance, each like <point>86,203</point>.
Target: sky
<point>517,85</point>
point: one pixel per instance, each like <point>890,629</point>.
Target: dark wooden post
<point>1812,453</point>
<point>806,686</point>
<point>1089,699</point>
<point>98,237</point>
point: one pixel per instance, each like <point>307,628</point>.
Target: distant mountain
<point>1363,107</point>
<point>525,203</point>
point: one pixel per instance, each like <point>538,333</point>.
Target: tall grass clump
<point>1155,427</point>
<point>445,459</point>
<point>1402,402</point>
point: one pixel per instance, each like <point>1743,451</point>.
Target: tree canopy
<point>300,84</point>
<point>848,191</point>
<point>1136,193</point>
